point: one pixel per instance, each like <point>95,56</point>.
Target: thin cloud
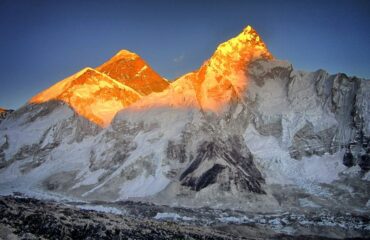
<point>179,58</point>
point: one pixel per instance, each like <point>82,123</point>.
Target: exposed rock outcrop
<point>4,113</point>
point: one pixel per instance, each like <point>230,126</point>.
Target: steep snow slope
<point>92,94</point>
<point>282,139</point>
<point>39,141</point>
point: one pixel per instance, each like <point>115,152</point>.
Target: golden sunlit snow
<point>91,94</point>
<point>98,94</point>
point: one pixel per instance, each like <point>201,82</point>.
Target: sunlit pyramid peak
<point>130,69</point>
<point>222,78</point>
<point>245,46</point>
<point>126,54</point>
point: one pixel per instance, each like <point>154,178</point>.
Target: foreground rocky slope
<point>34,219</point>
<point>25,218</point>
<point>275,130</point>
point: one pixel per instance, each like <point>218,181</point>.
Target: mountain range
<point>243,131</point>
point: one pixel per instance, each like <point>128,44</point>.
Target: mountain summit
<point>220,80</point>
<point>130,69</point>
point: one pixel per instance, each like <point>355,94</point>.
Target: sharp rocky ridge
<point>234,133</point>
<point>4,113</point>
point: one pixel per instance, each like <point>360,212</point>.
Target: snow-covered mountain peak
<point>98,94</point>
<point>91,94</point>
<point>248,44</point>
<point>222,79</point>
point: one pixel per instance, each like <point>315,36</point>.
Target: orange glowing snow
<point>91,94</point>
<point>127,80</point>
<point>220,80</point>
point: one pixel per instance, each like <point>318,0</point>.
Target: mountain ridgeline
<point>234,133</point>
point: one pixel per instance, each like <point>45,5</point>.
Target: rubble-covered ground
<point>27,218</point>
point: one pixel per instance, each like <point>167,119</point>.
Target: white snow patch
<point>233,219</point>
<point>172,216</point>
<point>141,70</point>
<point>304,202</point>
<point>99,208</point>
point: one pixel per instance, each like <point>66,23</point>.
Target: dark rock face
<point>3,147</point>
<point>348,159</point>
<point>365,162</point>
<point>209,177</point>
<point>224,163</point>
<point>176,151</point>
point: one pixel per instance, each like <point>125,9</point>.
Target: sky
<point>44,41</point>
